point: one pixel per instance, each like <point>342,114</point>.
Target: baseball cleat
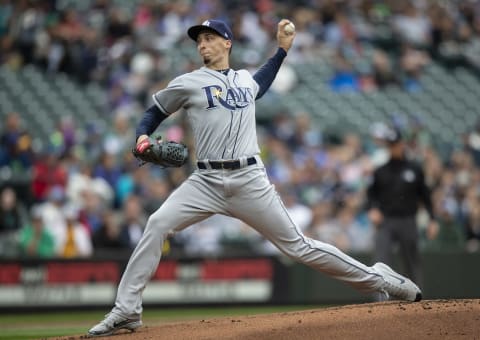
<point>113,323</point>
<point>396,285</point>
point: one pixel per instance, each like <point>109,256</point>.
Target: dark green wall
<point>446,275</point>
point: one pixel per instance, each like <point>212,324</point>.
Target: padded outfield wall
<point>267,280</point>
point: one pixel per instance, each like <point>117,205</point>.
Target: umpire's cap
<point>393,136</point>
<point>217,26</point>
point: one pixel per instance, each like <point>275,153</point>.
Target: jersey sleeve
<point>171,98</point>
<point>267,73</point>
<point>255,86</point>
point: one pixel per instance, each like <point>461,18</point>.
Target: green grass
<point>50,324</point>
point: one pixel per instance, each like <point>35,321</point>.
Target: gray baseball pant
<point>246,194</point>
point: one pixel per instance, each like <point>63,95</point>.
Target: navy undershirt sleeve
<point>150,121</point>
<point>266,74</point>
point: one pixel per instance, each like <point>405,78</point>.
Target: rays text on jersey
<point>235,98</point>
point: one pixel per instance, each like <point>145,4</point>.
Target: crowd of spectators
<point>124,45</point>
<point>88,196</point>
<point>80,209</point>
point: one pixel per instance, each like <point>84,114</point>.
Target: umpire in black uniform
<point>397,189</point>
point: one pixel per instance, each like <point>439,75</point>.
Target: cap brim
<point>194,31</point>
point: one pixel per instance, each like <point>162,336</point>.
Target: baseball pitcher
<point>230,178</point>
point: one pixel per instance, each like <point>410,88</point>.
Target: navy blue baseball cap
<point>216,26</point>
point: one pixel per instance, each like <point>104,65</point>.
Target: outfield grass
<point>50,324</point>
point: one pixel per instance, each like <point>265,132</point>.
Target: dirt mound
<point>434,319</point>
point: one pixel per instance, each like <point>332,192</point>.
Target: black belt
<point>228,165</point>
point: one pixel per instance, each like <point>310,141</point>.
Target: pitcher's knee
<point>157,224</point>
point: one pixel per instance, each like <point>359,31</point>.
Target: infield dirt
<point>430,319</point>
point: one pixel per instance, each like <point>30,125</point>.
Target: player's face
<point>213,48</point>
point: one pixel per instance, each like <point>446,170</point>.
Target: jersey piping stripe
<point>319,249</point>
<point>160,105</point>
<point>240,121</point>
<point>235,79</point>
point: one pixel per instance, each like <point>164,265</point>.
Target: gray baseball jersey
<point>220,109</point>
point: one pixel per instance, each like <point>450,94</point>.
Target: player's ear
<point>228,44</point>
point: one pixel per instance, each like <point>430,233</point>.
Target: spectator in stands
<point>340,33</point>
<point>132,181</point>
<point>16,145</point>
<point>345,232</point>
<point>75,241</point>
<point>48,172</point>
<point>69,37</point>
<point>107,237</point>
<point>204,237</point>
<point>433,167</point>
<point>119,139</point>
<point>108,169</point>
<point>92,207</point>
<point>11,211</point>
<point>280,161</point>
<point>330,231</point>
<point>305,134</point>
<point>473,143</point>
<point>92,145</point>
<point>118,26</point>
<point>442,26</point>
<point>35,240</point>
<point>344,79</point>
<point>26,26</point>
<point>133,221</point>
<point>66,131</point>
<point>472,209</point>
<point>253,28</point>
<point>157,192</point>
<point>78,181</point>
<point>322,211</point>
<point>383,70</point>
<point>412,63</point>
<point>307,30</point>
<point>412,25</point>
<point>12,219</point>
<point>353,162</point>
<point>52,215</point>
<point>6,12</point>
<point>300,213</point>
<point>450,235</point>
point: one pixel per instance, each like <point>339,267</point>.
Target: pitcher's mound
<point>434,319</point>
